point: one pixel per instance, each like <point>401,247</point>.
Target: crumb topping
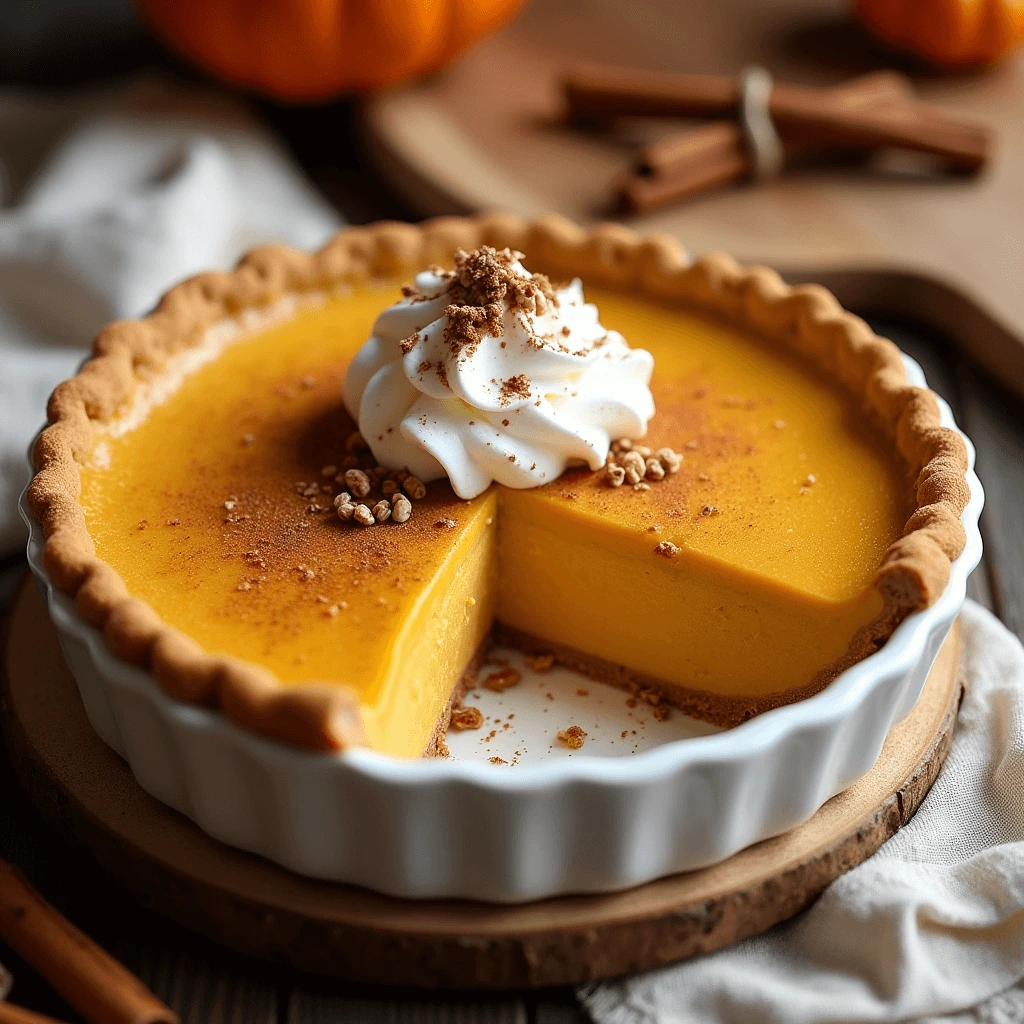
<point>572,737</point>
<point>635,464</point>
<point>487,276</point>
<point>515,387</point>
<point>398,489</point>
<point>466,718</point>
<point>478,287</point>
<point>503,679</point>
<point>467,326</point>
<point>540,662</point>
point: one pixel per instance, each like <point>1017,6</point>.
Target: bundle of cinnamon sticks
<point>91,980</point>
<point>875,111</point>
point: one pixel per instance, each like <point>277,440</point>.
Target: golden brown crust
<point>806,320</point>
<point>437,745</point>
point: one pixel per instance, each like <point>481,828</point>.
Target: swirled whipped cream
<point>487,373</point>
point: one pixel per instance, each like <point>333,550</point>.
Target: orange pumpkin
<point>950,33</point>
<point>313,49</point>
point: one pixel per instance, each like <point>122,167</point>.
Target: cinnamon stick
<point>688,163</point>
<point>10,1014</point>
<point>870,111</point>
<point>719,156</point>
<point>91,980</point>
<point>963,145</point>
<point>604,90</point>
<point>720,136</point>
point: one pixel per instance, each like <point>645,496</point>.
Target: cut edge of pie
<point>806,320</point>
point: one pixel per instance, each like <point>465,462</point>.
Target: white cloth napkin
<point>930,926</point>
<point>106,200</point>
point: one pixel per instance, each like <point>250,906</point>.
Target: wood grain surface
<point>889,237</point>
<point>88,793</point>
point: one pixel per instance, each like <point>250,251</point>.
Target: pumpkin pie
<point>798,497</point>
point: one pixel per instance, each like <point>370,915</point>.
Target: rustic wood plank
<point>201,983</point>
<point>323,1006</point>
<point>995,421</point>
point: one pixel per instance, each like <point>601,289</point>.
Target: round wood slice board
<point>488,134</point>
<point>243,901</point>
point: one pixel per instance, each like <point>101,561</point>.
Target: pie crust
<point>805,320</point>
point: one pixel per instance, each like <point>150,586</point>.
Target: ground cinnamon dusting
<point>294,569</point>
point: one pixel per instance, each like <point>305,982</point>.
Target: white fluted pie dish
<point>465,828</point>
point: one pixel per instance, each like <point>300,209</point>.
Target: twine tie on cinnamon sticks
<point>759,124</point>
<point>763,141</point>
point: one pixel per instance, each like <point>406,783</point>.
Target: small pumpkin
<point>305,50</point>
<point>949,33</point>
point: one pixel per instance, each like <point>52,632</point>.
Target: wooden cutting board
<point>88,793</point>
<point>487,135</point>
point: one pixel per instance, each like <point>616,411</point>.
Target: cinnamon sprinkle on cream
<point>514,387</point>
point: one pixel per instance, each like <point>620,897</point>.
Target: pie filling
<point>729,586</point>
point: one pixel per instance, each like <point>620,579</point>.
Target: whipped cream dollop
<point>487,373</point>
